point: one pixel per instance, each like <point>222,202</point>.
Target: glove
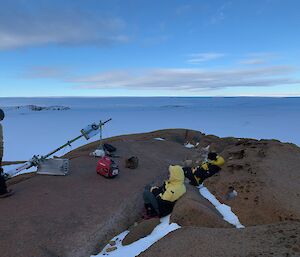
<point>153,188</point>
<point>6,176</point>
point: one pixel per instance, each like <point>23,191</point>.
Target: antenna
<point>87,132</point>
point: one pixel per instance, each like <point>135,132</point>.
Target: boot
<point>7,194</point>
<point>3,189</point>
<point>149,212</point>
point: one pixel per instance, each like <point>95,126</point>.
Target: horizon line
<point>241,96</point>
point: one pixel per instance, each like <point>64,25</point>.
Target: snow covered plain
<point>28,132</point>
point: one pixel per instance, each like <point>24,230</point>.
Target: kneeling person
<point>207,169</point>
<point>159,201</point>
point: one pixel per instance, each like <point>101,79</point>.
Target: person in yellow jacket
<point>3,188</point>
<point>198,174</point>
<point>159,201</point>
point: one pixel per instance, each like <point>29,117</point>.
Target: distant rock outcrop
<point>44,108</point>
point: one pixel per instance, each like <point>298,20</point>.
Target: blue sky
<point>149,48</point>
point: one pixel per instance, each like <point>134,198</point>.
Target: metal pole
<point>61,147</point>
<point>76,138</point>
<point>105,121</point>
<point>100,128</point>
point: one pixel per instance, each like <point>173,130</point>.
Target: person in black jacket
<point>198,174</point>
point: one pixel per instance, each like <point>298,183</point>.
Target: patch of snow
<point>9,168</point>
<point>231,195</point>
<point>224,209</point>
<point>189,145</point>
<point>98,153</point>
<point>159,138</point>
<point>142,244</point>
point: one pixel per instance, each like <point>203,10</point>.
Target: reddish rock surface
<point>142,229</point>
<point>194,210</point>
<point>266,176</point>
<point>76,215</point>
<point>278,240</point>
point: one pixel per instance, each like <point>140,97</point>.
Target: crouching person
<point>198,174</point>
<point>159,201</point>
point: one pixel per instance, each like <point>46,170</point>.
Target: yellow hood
<point>175,187</point>
<point>176,174</point>
<point>219,161</point>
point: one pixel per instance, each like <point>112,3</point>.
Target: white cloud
<point>192,80</point>
<point>253,61</point>
<point>203,57</point>
<point>258,58</point>
<point>63,25</point>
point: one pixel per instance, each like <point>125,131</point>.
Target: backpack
<point>109,148</point>
<point>106,167</point>
<point>132,162</point>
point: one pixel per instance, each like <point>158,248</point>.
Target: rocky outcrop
<point>140,230</point>
<point>85,210</point>
<point>43,108</point>
<point>193,210</point>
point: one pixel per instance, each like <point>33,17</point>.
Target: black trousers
<point>189,174</point>
<point>150,199</point>
<point>3,188</point>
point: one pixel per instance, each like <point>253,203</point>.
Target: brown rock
<point>111,249</point>
<point>143,229</point>
<point>263,241</point>
<point>193,210</point>
<point>264,178</point>
<point>193,213</point>
<point>267,184</point>
<point>76,205</point>
<point>112,243</point>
